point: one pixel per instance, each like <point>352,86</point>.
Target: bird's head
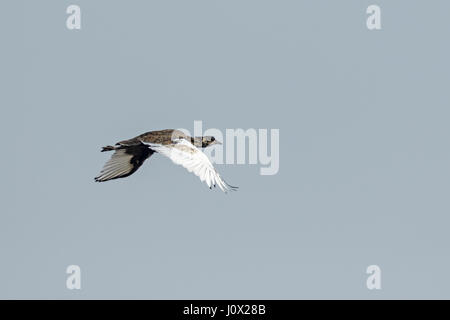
<point>204,141</point>
<point>209,141</point>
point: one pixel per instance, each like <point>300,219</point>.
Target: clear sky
<point>364,149</point>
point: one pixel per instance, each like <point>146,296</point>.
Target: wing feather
<point>124,162</point>
<point>184,153</point>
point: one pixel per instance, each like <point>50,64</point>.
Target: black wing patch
<point>124,162</point>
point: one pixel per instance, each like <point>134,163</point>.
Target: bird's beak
<point>216,142</point>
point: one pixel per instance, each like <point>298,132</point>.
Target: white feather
<point>184,153</point>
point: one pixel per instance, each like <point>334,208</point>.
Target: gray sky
<point>364,158</point>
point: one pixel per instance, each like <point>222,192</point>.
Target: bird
<point>129,155</point>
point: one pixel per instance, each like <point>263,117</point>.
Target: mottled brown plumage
<point>163,137</point>
<point>158,137</point>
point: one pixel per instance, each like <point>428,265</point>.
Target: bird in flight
<point>183,150</point>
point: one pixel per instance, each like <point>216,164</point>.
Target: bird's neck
<point>198,142</point>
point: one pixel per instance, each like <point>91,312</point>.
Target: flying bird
<point>182,149</point>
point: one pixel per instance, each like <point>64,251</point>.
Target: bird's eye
<point>212,138</point>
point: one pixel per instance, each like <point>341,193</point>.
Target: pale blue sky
<point>364,158</point>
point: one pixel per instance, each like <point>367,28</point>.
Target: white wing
<point>184,153</point>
